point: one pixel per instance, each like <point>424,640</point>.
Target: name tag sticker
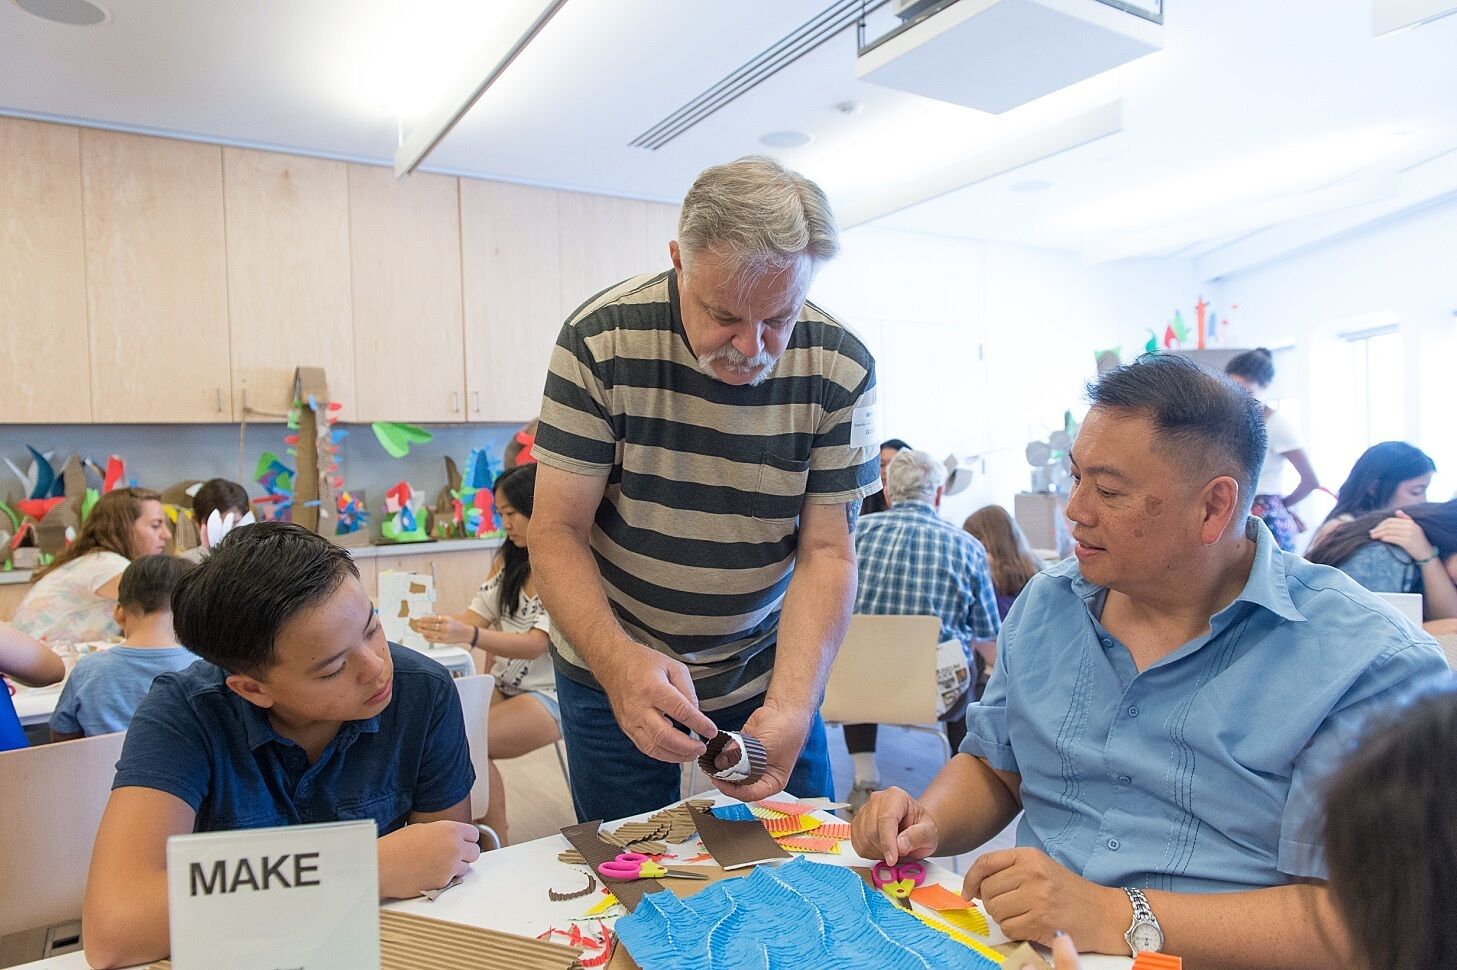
<point>863,424</point>
<point>304,896</point>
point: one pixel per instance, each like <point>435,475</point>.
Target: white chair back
<point>885,672</point>
<point>475,707</point>
<point>51,798</point>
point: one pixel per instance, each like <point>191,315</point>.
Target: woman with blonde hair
<point>1013,562</point>
<point>74,597</point>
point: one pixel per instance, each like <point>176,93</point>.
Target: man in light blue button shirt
<point>1166,705</point>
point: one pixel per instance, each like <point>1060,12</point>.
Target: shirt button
<point>1124,780</point>
<point>1133,712</point>
<point>1113,844</point>
<point>1107,642</point>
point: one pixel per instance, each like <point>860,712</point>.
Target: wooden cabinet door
<point>289,296</point>
<point>510,243</point>
<point>45,366</point>
<point>404,241</point>
<point>156,279</point>
<point>662,228</point>
<point>603,241</point>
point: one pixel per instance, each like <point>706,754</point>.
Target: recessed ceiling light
<point>1030,185</point>
<point>72,13</point>
<point>786,139</point>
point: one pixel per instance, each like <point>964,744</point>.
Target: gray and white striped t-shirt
<point>696,533</point>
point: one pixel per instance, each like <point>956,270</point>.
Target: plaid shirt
<point>913,562</point>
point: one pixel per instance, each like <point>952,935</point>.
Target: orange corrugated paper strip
<point>792,824</point>
<point>939,898</point>
<point>811,843</point>
<point>1157,961</point>
<point>834,830</point>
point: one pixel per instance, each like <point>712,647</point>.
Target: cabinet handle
<point>219,392</point>
<point>454,401</point>
<point>475,397</point>
<point>245,400</point>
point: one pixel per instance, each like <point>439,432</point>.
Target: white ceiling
<point>1255,115</point>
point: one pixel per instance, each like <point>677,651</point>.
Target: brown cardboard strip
<point>594,851</point>
<point>409,942</point>
<point>735,845</point>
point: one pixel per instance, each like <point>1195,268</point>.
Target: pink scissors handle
<point>882,874</point>
<point>628,865</point>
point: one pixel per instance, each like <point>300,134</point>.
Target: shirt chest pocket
<point>386,809</point>
<point>781,487</point>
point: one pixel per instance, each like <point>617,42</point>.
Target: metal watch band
<point>1142,913</point>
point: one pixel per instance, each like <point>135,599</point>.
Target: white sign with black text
<point>302,897</point>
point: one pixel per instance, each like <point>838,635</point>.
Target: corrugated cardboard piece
<point>315,506</point>
<point>409,942</point>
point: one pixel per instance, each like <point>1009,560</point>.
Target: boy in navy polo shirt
<point>304,713</point>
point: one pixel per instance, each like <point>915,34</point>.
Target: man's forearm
<point>571,590</point>
<point>970,803</point>
<point>812,625</point>
<point>1281,927</point>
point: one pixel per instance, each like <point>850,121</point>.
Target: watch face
<point>1146,937</point>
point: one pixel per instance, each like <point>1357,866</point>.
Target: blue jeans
<point>612,779</point>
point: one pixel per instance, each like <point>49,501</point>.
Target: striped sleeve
<point>844,464</point>
<point>576,432</point>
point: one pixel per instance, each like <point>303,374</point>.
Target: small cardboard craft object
<point>736,845</point>
<point>51,529</point>
<point>409,942</point>
<point>403,597</point>
<point>314,504</point>
<point>293,896</point>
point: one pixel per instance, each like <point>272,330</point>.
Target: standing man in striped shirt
<point>707,436</point>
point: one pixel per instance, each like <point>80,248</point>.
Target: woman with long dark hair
<point>1412,551</point>
<point>1388,476</point>
<point>507,622</point>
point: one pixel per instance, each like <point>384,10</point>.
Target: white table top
<point>506,890</point>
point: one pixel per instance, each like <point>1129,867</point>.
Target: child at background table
<point>32,663</point>
<point>223,497</point>
<point>508,622</point>
<point>105,688</point>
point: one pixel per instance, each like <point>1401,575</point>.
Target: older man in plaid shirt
<point>912,562</point>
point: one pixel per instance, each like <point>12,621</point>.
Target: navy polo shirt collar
<point>260,730</point>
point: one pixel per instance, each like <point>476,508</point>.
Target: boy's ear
<point>119,615</point>
<point>251,690</point>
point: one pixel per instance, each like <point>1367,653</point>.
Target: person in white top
<point>507,621</point>
<point>73,599</point>
<point>1254,370</point>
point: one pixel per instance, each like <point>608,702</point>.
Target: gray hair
<point>759,214</point>
<point>913,476</point>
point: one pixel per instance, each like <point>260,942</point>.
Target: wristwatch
<point>1145,934</point>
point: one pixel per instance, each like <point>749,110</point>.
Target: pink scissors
<point>635,865</point>
<point>899,881</point>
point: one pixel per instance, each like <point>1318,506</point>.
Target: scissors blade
<point>686,874</point>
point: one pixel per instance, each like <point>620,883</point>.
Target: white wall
<point>1399,271</point>
<point>981,347</point>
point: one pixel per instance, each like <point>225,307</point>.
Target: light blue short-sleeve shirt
<point>105,689</point>
<point>1202,773</point>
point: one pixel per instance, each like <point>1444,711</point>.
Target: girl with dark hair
<point>888,450</point>
<point>1413,551</point>
<point>1388,476</point>
<point>74,597</point>
<point>507,622</point>
<point>1254,370</point>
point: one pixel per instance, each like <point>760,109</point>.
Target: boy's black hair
<point>218,495</point>
<point>230,608</point>
<point>1202,420</point>
<point>147,584</point>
